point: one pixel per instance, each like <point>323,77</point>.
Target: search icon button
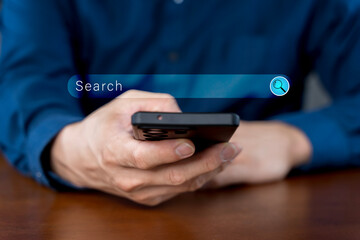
<point>279,86</point>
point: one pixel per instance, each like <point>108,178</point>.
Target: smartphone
<point>199,127</point>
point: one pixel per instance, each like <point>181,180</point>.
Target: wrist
<point>300,148</point>
<point>63,150</point>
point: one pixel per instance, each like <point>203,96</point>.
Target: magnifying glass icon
<point>277,84</point>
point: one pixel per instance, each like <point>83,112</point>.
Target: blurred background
<point>315,95</point>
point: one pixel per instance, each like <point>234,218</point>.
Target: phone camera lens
<point>160,117</point>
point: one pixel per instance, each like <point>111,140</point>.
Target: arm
<point>36,63</point>
<point>328,137</point>
<point>333,44</point>
<point>99,151</point>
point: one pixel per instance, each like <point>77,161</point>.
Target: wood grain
<point>323,206</point>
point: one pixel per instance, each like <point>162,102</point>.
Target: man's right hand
<point>101,153</point>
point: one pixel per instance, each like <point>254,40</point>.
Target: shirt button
<point>178,1</point>
<point>173,56</point>
<point>38,174</point>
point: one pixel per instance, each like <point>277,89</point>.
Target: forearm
<point>333,134</point>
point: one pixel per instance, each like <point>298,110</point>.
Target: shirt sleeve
<point>333,45</point>
<point>36,63</point>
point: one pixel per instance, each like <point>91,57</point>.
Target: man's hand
<point>101,153</point>
<point>269,151</point>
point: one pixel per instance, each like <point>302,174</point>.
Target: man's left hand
<point>269,151</point>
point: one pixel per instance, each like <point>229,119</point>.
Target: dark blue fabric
<point>47,41</point>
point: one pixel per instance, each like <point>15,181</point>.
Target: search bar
<point>180,85</point>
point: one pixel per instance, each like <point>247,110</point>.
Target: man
<point>65,143</point>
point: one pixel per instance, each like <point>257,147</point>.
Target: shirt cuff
<point>39,140</point>
<point>329,142</point>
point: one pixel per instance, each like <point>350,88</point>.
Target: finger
<point>156,194</point>
<point>148,197</point>
<point>143,94</point>
<point>157,200</point>
<point>130,180</point>
<point>148,101</point>
<point>128,152</point>
<point>197,165</point>
<point>237,175</point>
<point>241,172</point>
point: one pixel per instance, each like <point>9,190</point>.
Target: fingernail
<point>184,150</point>
<point>229,152</point>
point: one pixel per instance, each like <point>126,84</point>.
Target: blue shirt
<point>46,42</point>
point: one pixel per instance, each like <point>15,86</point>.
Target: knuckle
<point>129,185</point>
<point>144,200</point>
<point>196,184</point>
<point>171,100</point>
<point>154,202</point>
<point>166,95</point>
<point>130,93</point>
<point>107,155</point>
<point>176,178</point>
<point>211,164</point>
<point>139,198</point>
<point>139,161</point>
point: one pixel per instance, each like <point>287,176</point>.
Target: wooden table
<point>323,206</point>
